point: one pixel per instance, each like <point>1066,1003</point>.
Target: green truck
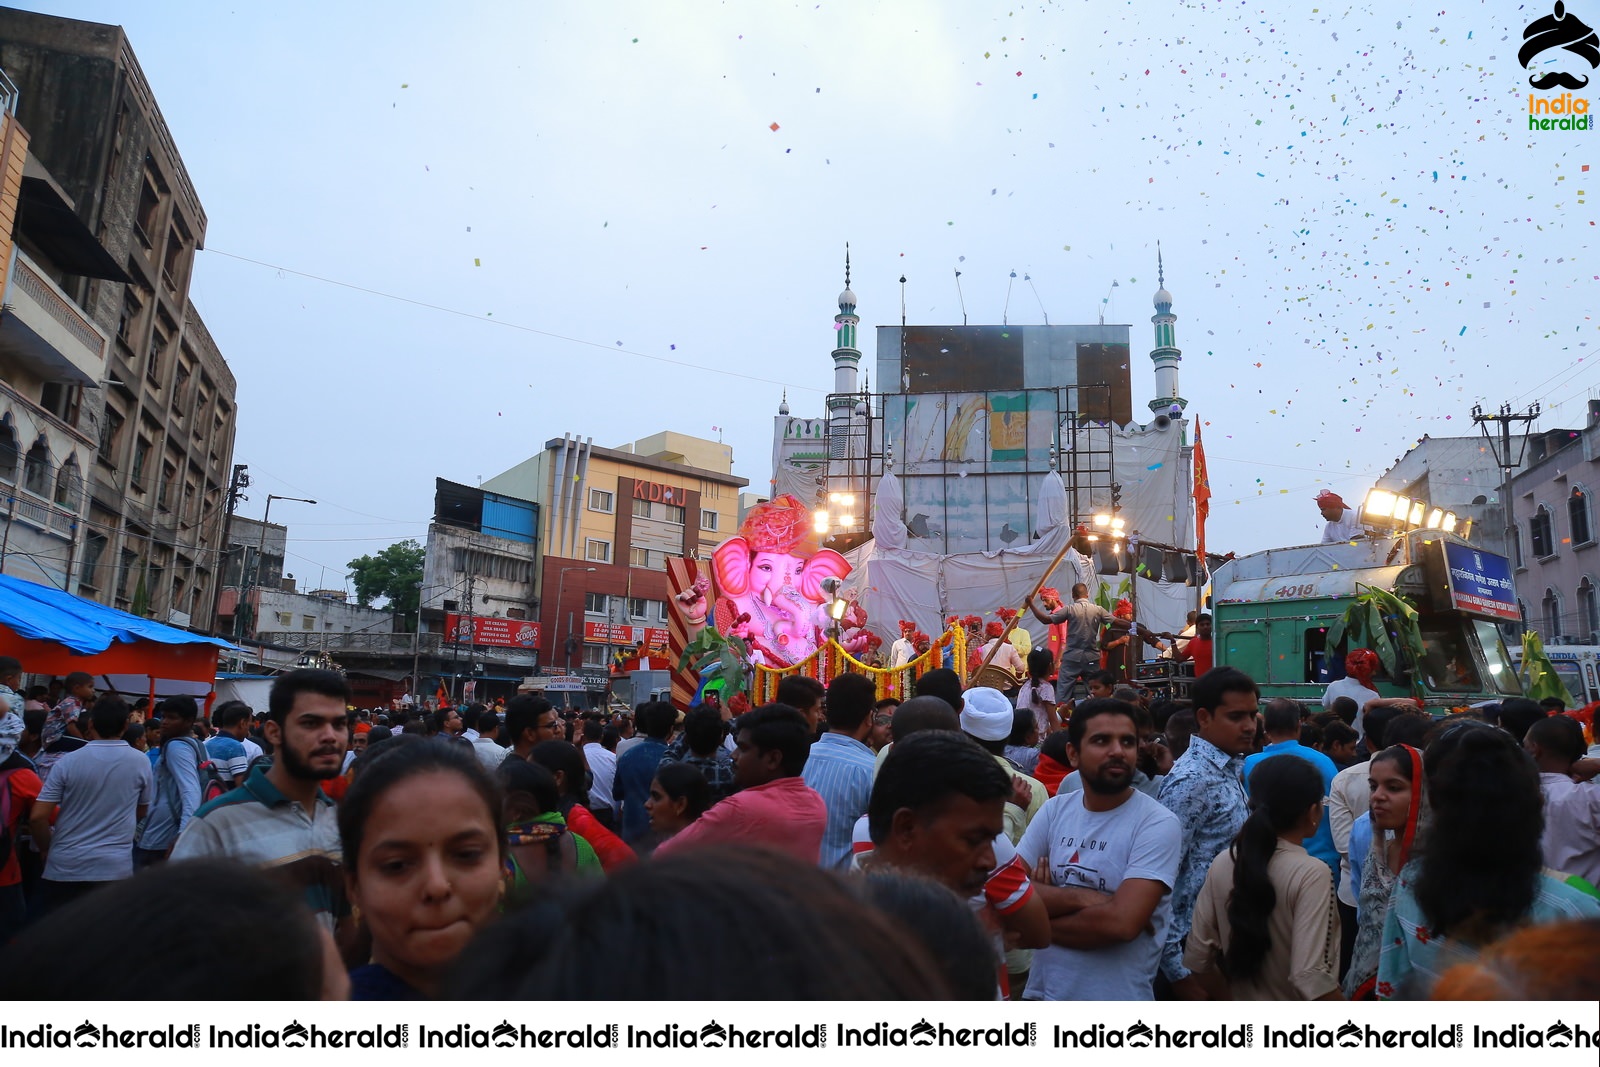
<point>1271,612</point>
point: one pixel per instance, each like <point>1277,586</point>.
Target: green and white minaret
<point>1165,355</point>
<point>846,361</point>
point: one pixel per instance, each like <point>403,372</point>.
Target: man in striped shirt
<point>280,819</point>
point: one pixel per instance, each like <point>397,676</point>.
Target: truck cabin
<point>1272,611</point>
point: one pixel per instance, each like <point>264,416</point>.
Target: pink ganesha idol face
<point>773,571</point>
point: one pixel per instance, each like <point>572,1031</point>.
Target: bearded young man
<point>280,819</point>
<point>1105,859</point>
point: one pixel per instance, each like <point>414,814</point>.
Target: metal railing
<point>374,643</point>
<point>29,279</point>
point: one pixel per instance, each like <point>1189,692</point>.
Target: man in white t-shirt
<point>1105,860</point>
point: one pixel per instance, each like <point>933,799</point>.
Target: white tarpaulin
<point>894,583</point>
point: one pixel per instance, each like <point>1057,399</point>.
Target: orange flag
<point>1202,499</point>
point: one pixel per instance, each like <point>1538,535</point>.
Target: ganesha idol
<point>769,580</point>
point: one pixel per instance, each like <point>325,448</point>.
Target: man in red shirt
<point>1199,646</point>
<point>772,806</point>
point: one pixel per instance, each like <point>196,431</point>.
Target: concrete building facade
<point>612,517</point>
<point>1555,550</point>
<point>480,589</point>
<point>50,351</point>
<point>161,414</point>
<point>1459,474</point>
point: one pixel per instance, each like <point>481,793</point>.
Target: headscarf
<point>1377,886</point>
<point>1361,664</point>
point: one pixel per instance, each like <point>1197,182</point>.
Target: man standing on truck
<point>1081,653</point>
<point>1343,525</point>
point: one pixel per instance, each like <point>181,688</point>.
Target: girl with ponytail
<point>1265,924</point>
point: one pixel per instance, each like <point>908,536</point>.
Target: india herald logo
<point>1559,30</point>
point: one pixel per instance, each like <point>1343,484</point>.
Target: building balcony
<point>45,332</point>
<point>22,506</point>
<point>381,644</point>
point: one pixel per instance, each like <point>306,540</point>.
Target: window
<point>129,562</point>
<point>600,500</point>
<point>285,619</point>
<point>308,622</point>
<point>60,400</point>
<point>639,557</point>
<point>675,514</point>
<point>596,551</point>
<point>708,520</point>
<point>110,436</point>
<point>36,468</point>
<point>152,365</point>
<point>641,509</point>
<point>69,484</point>
<point>1516,546</point>
<point>1578,516</point>
<point>595,603</point>
<point>1541,534</point>
<point>1552,615</point>
<point>94,549</point>
<point>129,320</point>
<point>169,474</point>
<point>1588,609</point>
<point>141,456</point>
<point>149,205</point>
<point>8,450</point>
<point>638,607</point>
<point>595,656</point>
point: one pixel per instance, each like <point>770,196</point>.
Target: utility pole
<point>1502,447</point>
<point>236,487</point>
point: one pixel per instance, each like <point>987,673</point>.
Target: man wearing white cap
<point>988,718</point>
<point>1342,522</point>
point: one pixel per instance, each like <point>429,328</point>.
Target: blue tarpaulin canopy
<point>40,613</point>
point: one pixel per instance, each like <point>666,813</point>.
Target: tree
<point>394,574</point>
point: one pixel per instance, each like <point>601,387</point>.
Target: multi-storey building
<point>49,352</point>
<point>1555,546</point>
<point>612,516</point>
<point>479,603</point>
<point>157,423</point>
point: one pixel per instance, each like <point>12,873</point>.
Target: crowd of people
<point>965,843</point>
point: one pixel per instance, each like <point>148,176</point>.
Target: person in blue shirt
<point>1282,727</point>
<point>636,769</point>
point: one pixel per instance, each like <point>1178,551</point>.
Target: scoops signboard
<point>487,630</point>
<point>599,633</point>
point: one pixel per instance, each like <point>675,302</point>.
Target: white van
<point>1579,668</point>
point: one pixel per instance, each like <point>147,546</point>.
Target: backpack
<point>212,784</point>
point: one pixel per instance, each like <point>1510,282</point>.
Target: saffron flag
<point>1202,500</point>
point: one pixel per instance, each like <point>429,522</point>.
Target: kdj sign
<point>657,493</point>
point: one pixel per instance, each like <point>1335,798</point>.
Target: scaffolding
<point>956,501</point>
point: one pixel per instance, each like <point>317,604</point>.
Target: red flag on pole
<point>1202,499</point>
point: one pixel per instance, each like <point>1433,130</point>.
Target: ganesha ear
<point>730,563</point>
<point>825,564</point>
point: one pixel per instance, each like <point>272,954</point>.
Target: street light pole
<point>261,547</point>
<point>561,585</point>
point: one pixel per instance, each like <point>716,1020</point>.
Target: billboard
<point>601,633</point>
<point>488,630</point>
<point>1094,360</point>
<point>1480,582</point>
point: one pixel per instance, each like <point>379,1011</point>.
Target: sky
<point>441,235</point>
